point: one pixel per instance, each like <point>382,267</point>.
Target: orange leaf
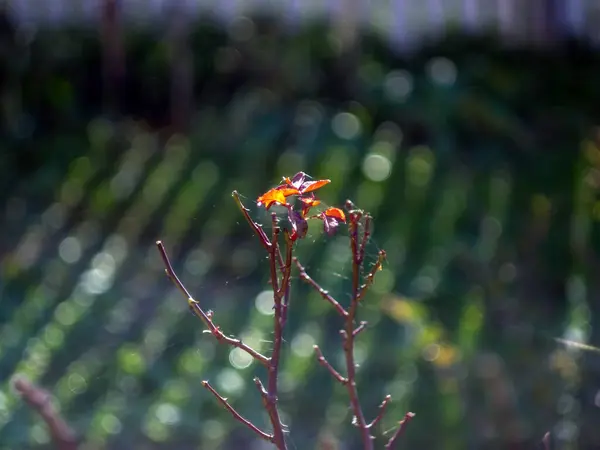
<point>308,203</point>
<point>270,197</point>
<point>287,191</point>
<point>310,186</point>
<point>335,212</point>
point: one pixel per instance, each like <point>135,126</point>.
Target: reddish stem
<point>198,311</point>
<point>350,330</point>
<point>281,295</point>
<point>235,414</point>
<point>322,292</point>
<point>279,319</point>
<point>39,400</point>
<point>359,418</point>
<point>359,329</point>
<point>371,275</point>
<point>400,431</point>
<point>334,373</point>
<point>386,401</point>
<point>264,240</point>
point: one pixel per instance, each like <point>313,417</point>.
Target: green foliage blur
<point>479,163</point>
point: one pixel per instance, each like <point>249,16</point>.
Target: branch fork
<point>357,220</point>
<point>280,267</point>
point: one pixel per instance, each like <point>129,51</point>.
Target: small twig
<point>39,400</point>
<point>322,292</point>
<point>287,269</point>
<point>274,250</point>
<point>371,275</point>
<point>287,272</point>
<point>386,401</point>
<point>266,436</point>
<point>400,431</point>
<point>546,441</point>
<point>199,312</point>
<point>334,373</point>
<point>362,327</point>
<point>262,390</point>
<point>264,240</point>
<point>365,239</point>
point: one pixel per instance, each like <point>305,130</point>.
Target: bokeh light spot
<point>168,414</point>
<point>239,358</point>
<point>398,85</point>
<point>377,167</point>
<point>442,71</point>
<point>264,303</point>
<point>302,345</point>
<point>346,125</point>
<point>230,382</point>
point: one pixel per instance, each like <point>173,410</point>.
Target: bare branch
<point>365,239</point>
<point>348,333</point>
<point>266,436</point>
<point>334,373</point>
<point>278,324</point>
<point>206,318</point>
<point>362,327</point>
<point>39,400</point>
<point>371,275</point>
<point>546,441</point>
<point>400,431</point>
<point>264,240</point>
<point>322,292</point>
<point>386,401</point>
<point>287,269</point>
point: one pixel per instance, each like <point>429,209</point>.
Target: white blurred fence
<point>404,21</point>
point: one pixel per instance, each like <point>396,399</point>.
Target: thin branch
<point>334,373</point>
<point>206,318</point>
<point>400,431</point>
<point>284,290</point>
<point>278,323</point>
<point>365,239</point>
<point>546,441</point>
<point>39,400</point>
<point>362,327</point>
<point>266,436</point>
<point>287,271</point>
<point>359,418</point>
<point>386,401</point>
<point>322,292</point>
<point>262,390</point>
<point>264,240</point>
<point>274,250</point>
<point>371,275</point>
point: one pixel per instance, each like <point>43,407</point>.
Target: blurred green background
<point>480,164</point>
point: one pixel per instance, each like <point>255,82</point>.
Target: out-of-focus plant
<point>281,261</point>
<point>63,437</point>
